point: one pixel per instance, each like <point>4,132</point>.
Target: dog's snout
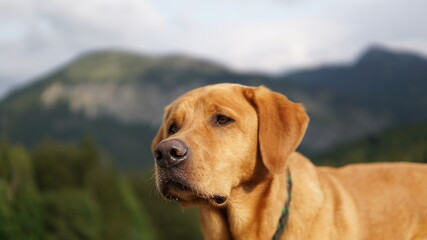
<point>170,153</point>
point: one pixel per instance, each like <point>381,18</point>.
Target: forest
<point>72,191</point>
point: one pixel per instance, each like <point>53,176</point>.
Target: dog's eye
<point>173,129</point>
<point>222,120</point>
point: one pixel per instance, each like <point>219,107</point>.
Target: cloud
<point>46,33</point>
<point>334,32</point>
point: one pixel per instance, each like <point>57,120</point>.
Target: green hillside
<point>128,144</point>
<point>408,143</point>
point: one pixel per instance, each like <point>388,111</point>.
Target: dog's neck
<point>260,200</point>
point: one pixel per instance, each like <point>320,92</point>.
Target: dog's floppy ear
<point>281,126</point>
<point>161,134</point>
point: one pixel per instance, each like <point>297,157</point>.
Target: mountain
<point>392,84</point>
<point>118,97</point>
<point>115,84</point>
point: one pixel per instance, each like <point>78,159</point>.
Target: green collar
<point>283,220</point>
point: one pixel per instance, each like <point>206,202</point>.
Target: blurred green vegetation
<point>66,192</point>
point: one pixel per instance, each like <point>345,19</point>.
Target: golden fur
<point>246,161</point>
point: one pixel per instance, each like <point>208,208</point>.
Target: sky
<point>271,36</point>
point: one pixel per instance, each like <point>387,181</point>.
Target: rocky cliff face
<point>126,102</point>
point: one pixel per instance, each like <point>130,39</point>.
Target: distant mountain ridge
<point>390,83</point>
<point>119,97</point>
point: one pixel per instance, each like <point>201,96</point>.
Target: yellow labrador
<point>230,149</point>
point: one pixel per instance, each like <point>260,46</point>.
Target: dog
<point>230,149</point>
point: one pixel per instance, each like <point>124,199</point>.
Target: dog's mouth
<point>171,189</point>
<point>186,194</point>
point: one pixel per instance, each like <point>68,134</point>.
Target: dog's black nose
<point>170,153</point>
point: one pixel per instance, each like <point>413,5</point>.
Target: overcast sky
<point>262,35</point>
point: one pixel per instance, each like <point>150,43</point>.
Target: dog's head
<point>216,138</point>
